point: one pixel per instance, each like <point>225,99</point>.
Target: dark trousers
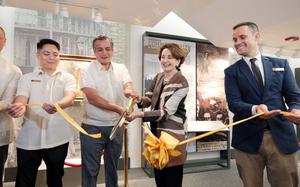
<point>3,157</point>
<point>91,158</point>
<point>169,176</point>
<point>30,160</point>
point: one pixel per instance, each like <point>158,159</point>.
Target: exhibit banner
<point>211,99</point>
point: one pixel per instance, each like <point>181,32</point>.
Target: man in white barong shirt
<point>9,76</point>
<point>106,86</point>
<point>45,135</point>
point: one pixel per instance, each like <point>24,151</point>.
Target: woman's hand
<point>134,115</point>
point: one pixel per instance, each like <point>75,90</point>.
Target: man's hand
<point>129,92</point>
<point>134,115</point>
<point>49,108</point>
<point>267,114</point>
<point>293,116</point>
<point>120,110</point>
<point>16,110</point>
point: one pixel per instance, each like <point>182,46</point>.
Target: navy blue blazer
<point>242,92</point>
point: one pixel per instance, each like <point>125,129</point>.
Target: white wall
<point>135,69</point>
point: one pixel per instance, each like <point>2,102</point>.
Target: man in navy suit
<point>257,84</point>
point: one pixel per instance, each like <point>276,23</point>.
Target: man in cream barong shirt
<point>10,74</point>
<point>105,85</point>
<point>45,135</point>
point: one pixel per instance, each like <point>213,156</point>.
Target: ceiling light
<point>56,7</point>
<point>98,18</point>
<point>231,50</point>
<point>93,13</point>
<point>64,12</point>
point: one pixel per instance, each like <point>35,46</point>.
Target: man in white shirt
<point>105,85</point>
<point>10,74</point>
<point>45,135</point>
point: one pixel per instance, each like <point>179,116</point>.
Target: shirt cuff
<point>253,109</point>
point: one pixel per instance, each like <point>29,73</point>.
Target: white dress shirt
<point>41,130</point>
<point>109,85</point>
<point>260,66</point>
<point>9,75</point>
<point>258,63</point>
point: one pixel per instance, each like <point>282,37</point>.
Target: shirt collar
<point>38,71</point>
<point>101,67</point>
<point>258,57</point>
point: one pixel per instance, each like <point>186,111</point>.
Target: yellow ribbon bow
<point>157,151</point>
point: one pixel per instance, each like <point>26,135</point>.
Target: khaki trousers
<point>282,169</point>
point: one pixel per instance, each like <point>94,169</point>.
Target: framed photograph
<point>211,99</point>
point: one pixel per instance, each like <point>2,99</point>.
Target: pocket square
<point>278,69</point>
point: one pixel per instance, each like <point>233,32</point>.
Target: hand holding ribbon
<point>18,109</point>
<point>293,116</point>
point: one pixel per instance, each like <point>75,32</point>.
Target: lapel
<point>267,71</point>
<point>245,69</point>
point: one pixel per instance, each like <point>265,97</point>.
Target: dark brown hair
<point>177,52</point>
<point>251,25</point>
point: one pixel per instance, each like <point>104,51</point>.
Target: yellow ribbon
<point>68,119</point>
<point>286,113</point>
<point>157,151</point>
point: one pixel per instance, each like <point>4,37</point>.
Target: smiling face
<point>48,57</point>
<point>168,62</point>
<point>103,51</point>
<point>246,41</point>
